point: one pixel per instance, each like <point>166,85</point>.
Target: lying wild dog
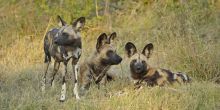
<point>63,44</point>
<point>143,72</point>
<point>95,69</point>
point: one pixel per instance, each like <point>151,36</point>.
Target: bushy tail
<point>185,78</point>
<point>46,50</point>
<point>47,58</point>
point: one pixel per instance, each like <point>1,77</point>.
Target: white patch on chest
<point>77,53</point>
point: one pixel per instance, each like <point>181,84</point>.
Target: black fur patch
<point>152,81</point>
<point>169,73</point>
<point>130,49</point>
<point>132,66</point>
<point>109,78</point>
<point>105,62</point>
<point>102,39</point>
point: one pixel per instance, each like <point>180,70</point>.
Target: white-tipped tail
<point>184,76</point>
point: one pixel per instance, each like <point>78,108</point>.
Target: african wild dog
<point>95,69</point>
<point>143,72</point>
<point>63,44</point>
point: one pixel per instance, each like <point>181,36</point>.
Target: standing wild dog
<point>143,72</point>
<point>95,69</point>
<point>63,44</point>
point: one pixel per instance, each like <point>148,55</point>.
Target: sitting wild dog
<point>141,71</point>
<point>63,44</point>
<point>95,69</point>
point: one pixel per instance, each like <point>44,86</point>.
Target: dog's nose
<point>120,59</point>
<point>138,68</point>
<point>55,41</point>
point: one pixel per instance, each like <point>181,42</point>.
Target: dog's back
<point>163,76</point>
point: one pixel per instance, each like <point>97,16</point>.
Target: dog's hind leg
<point>47,61</point>
<point>63,90</point>
<point>55,70</point>
<point>44,76</point>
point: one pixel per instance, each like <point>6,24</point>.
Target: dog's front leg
<point>63,90</point>
<point>138,85</point>
<point>76,68</point>
<point>55,70</point>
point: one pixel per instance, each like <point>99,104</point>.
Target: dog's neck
<point>97,66</point>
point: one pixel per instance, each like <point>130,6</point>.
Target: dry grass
<point>21,91</point>
<point>185,36</point>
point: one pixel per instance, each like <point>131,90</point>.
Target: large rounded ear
<point>130,49</point>
<point>148,49</point>
<point>112,37</point>
<point>61,21</point>
<point>102,40</point>
<point>79,23</point>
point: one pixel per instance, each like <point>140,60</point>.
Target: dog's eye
<point>143,61</point>
<point>65,34</point>
<point>134,60</point>
<point>109,53</point>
